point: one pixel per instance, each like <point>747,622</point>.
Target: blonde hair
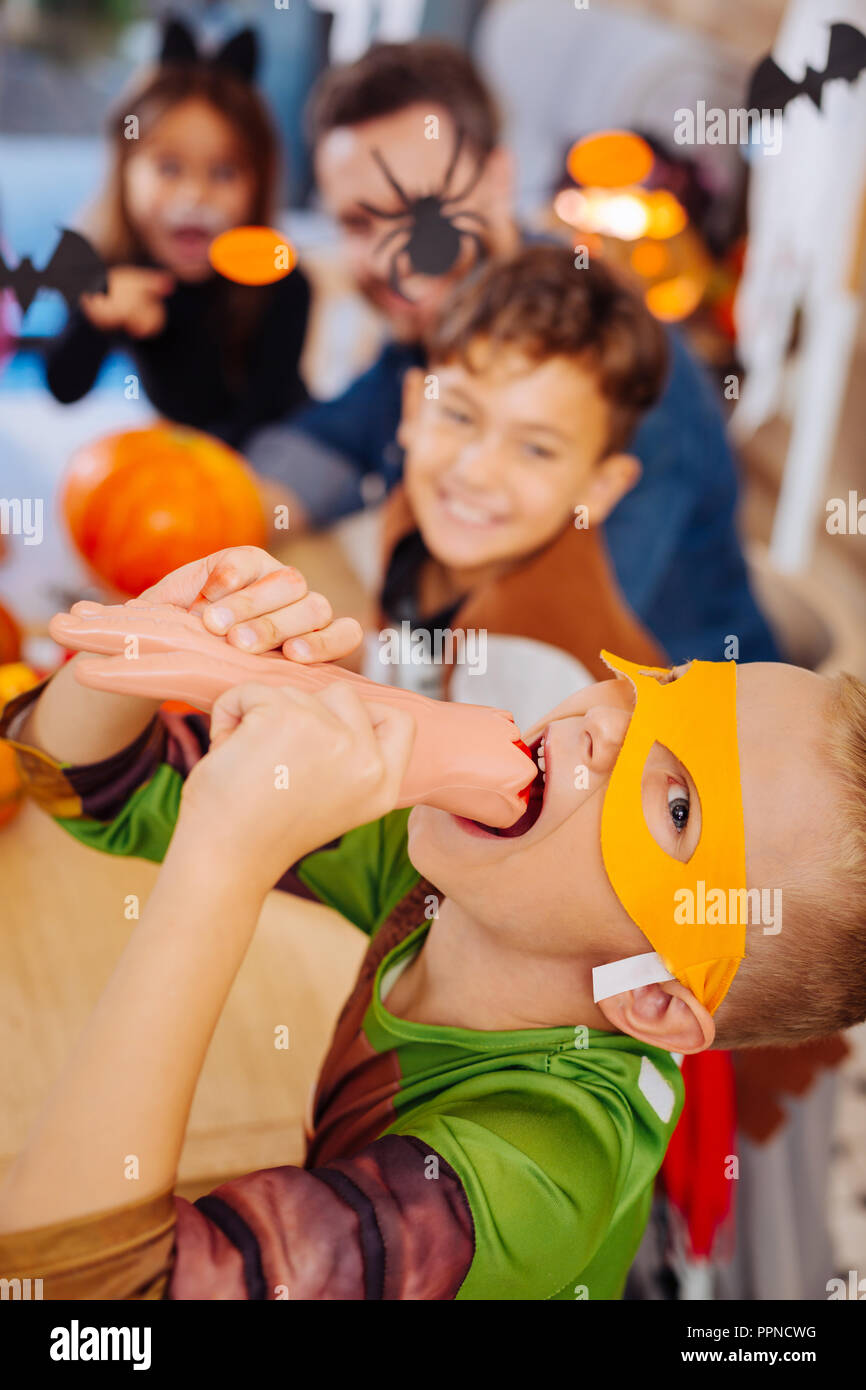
<point>811,981</point>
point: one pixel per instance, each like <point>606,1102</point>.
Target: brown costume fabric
<point>766,1075</point>
<point>119,1254</point>
<point>565,595</point>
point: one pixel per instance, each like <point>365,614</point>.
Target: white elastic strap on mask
<point>631,973</point>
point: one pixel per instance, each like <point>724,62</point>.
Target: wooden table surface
<point>62,928</point>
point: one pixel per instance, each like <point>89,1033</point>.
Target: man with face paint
<point>413,121</point>
<point>503,1081</point>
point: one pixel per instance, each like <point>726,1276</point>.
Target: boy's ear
<point>664,1015</point>
<point>608,483</point>
<point>413,394</point>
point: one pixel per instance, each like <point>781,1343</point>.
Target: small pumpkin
<point>11,789</point>
<point>10,637</point>
<point>15,678</point>
<point>143,502</point>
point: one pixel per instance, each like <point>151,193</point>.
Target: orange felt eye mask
<point>695,717</point>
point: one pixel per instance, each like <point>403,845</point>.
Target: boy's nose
<point>606,726</point>
<point>479,464</point>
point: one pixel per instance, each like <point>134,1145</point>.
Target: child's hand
<point>186,637</point>
<point>258,604</point>
<point>288,772</point>
<point>242,595</point>
<point>133,304</point>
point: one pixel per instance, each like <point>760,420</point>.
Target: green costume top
<point>443,1162</point>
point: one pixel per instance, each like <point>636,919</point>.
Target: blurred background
<point>760,261</point>
<point>64,63</point>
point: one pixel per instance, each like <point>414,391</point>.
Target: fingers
<point>231,607</point>
<point>231,570</point>
<point>257,604</point>
<point>258,697</point>
<point>233,705</point>
<point>156,282</point>
<point>147,320</point>
<point>182,586</point>
<point>336,640</point>
<point>365,744</point>
<point>274,610</point>
<point>213,577</point>
<point>385,729</point>
<point>166,676</point>
<point>84,629</point>
<point>264,634</point>
<point>125,627</point>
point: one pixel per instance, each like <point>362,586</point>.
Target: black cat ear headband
<point>238,55</point>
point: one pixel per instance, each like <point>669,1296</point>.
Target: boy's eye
<point>458,417</point>
<point>538,451</point>
<point>224,173</point>
<point>169,168</point>
<point>678,805</point>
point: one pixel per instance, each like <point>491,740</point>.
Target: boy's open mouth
<point>535,802</point>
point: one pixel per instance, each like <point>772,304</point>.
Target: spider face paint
<point>431,231</point>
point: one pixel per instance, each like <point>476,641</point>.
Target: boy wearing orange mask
<point>501,1089</point>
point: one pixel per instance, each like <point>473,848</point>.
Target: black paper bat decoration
<point>771,88</point>
<point>74,269</point>
<point>432,235</point>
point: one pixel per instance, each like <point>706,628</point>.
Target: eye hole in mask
<point>670,803</point>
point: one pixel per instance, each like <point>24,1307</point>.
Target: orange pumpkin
<point>15,678</point>
<point>11,790</point>
<point>141,503</point>
<point>10,637</point>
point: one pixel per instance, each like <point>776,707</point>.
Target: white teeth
<point>463,511</point>
<point>540,760</point>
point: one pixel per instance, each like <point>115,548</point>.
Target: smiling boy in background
<point>516,438</point>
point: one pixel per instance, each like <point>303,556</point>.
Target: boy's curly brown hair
<point>545,304</point>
